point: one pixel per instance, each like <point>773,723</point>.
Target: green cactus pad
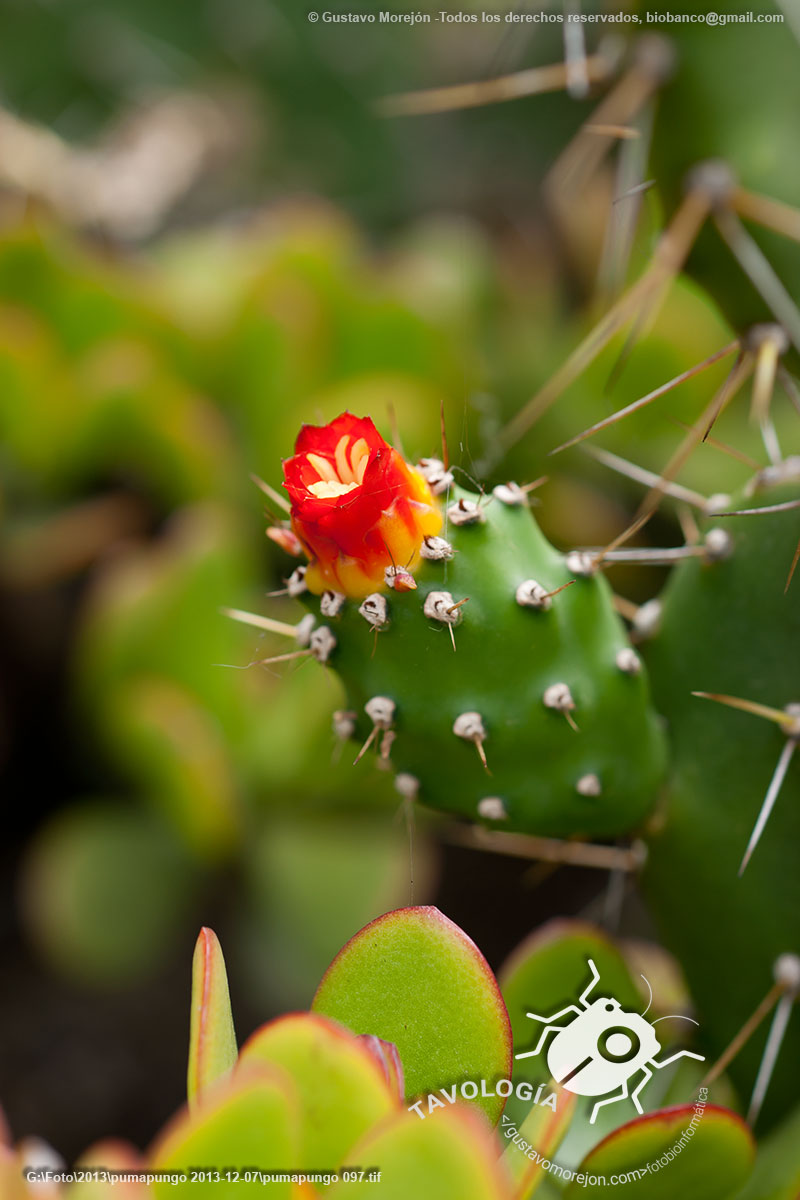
<point>592,769</point>
<point>729,627</point>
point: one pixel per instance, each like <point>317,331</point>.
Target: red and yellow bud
<point>358,507</point>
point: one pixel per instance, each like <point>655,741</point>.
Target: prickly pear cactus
<point>488,669</point>
<point>729,628</point>
<point>705,114</point>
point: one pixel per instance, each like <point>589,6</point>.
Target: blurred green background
<point>208,235</point>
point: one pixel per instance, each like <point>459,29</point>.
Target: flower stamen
<point>323,468</point>
<point>359,457</point>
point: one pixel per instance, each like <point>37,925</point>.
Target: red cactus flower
<point>357,506</point>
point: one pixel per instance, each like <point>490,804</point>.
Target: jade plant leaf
<point>105,888</point>
<point>387,1058</point>
<point>415,979</point>
<point>115,1155</point>
<point>212,1038</point>
<point>152,608</point>
<point>539,1133</point>
<point>174,747</point>
<point>549,971</point>
<point>343,1090</point>
<point>681,1151</point>
<point>358,862</point>
<point>447,1156</point>
<point>777,1171</point>
<point>11,1181</point>
<point>663,973</point>
<point>250,1121</point>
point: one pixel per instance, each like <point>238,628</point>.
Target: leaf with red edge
<point>12,1182</point>
<point>548,971</point>
<point>342,1088</point>
<point>540,1133</point>
<point>413,978</point>
<point>451,1155</point>
<point>250,1120</point>
<point>687,1151</point>
<point>114,1155</point>
<point>777,1171</point>
<point>387,1058</point>
<point>212,1038</point>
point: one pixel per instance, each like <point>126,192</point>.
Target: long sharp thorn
<point>792,569</point>
<point>731,451</point>
<point>267,623</point>
<point>766,368</point>
<point>626,133</point>
<point>531,82</point>
<point>770,1057</point>
<point>670,255</point>
<point>643,476</point>
<point>689,526</point>
<point>789,386</point>
<point>741,369</point>
<point>648,399</point>
<point>777,715</point>
<point>786,506</point>
<point>791,12</point>
<point>760,272</point>
<point>625,607</point>
<point>581,357</point>
<point>698,433</point>
<point>578,162</point>
<point>769,801</point>
<point>386,745</point>
<point>278,658</point>
<point>635,333</point>
<point>574,52</point>
<point>549,595</point>
<point>543,849</point>
<point>373,734</point>
<point>614,900</point>
<point>636,190</point>
<point>482,754</point>
<point>656,557</point>
<point>623,537</point>
<point>628,185</point>
<point>408,814</point>
<point>445,451</point>
<point>769,436</point>
<point>764,211</point>
<point>743,1036</point>
<point>274,496</point>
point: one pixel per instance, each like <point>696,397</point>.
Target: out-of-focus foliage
<point>137,396</point>
<point>291,84</point>
<point>137,399</point>
<point>307,1089</point>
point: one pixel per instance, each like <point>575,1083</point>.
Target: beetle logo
<point>602,1048</point>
